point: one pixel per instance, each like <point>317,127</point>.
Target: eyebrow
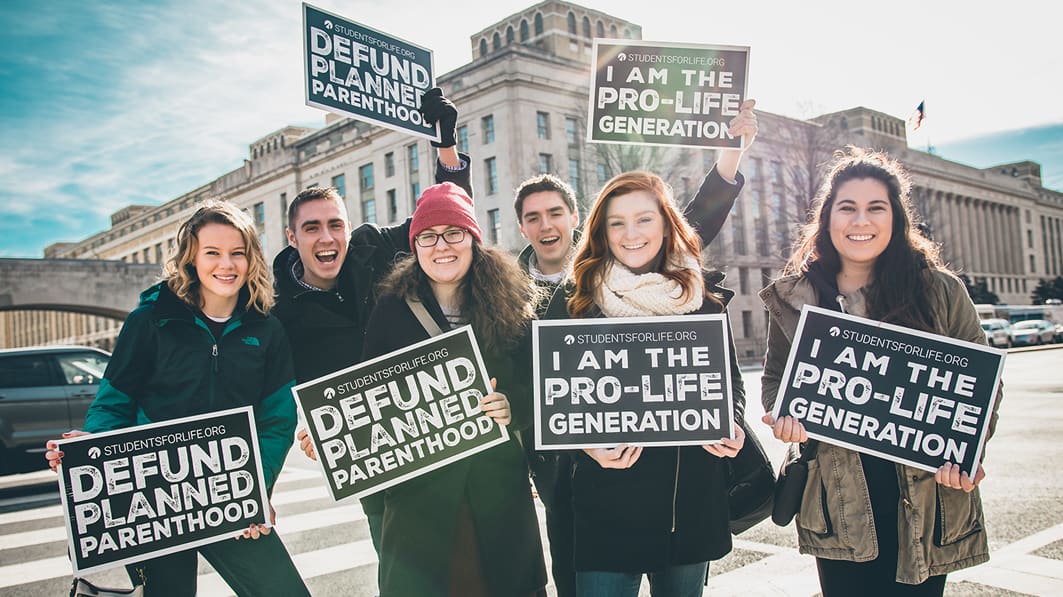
<point>318,222</point>
<point>641,213</point>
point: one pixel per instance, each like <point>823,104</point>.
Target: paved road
<point>1023,498</point>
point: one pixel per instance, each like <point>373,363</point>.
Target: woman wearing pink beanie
<point>468,528</point>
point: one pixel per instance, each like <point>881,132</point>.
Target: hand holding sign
<point>306,444</point>
<point>787,429</point>
<point>729,447</point>
<point>950,475</point>
<point>437,109</point>
<point>496,406</point>
<point>54,455</point>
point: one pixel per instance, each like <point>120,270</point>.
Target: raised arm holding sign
<point>914,388</point>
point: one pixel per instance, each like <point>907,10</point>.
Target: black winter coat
<point>669,508</point>
<point>420,514</point>
<point>326,329</point>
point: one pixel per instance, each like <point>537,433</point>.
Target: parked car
<point>44,391</point>
<point>1059,332</point>
<point>997,332</point>
<point>1033,331</point>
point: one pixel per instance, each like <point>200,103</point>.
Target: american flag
<point>916,119</point>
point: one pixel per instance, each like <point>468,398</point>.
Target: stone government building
<point>522,107</point>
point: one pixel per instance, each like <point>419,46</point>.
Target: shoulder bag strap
<point>429,324</point>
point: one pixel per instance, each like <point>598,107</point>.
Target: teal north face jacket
<point>167,364</point>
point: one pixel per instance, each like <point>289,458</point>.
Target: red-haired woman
<point>660,511</point>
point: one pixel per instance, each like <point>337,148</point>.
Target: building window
<point>538,23</point>
<point>542,125</point>
<point>574,177</point>
<point>340,183</point>
<point>738,229</point>
<point>776,172</point>
<point>603,173</point>
<point>571,23</point>
<point>743,280</point>
<point>747,324</point>
<point>765,276</point>
<point>586,27</point>
<point>494,220</point>
<point>546,163</point>
<point>258,214</point>
<point>389,164</point>
<point>463,138</point>
<point>509,35</point>
<point>365,177</point>
<point>491,172</point>
<point>369,210</point>
<point>523,30</point>
<point>1029,239</point>
<point>483,47</point>
<point>393,206</point>
<point>1033,264</point>
<point>412,158</point>
<point>487,123</point>
<point>496,42</point>
<point>415,194</point>
<point>782,221</point>
<point>600,29</point>
<point>571,130</point>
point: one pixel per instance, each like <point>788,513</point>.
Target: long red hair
<point>593,255</point>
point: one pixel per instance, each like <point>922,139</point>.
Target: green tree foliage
<point>980,292</point>
<point>1048,289</point>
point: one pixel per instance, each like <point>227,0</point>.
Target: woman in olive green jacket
<point>875,527</point>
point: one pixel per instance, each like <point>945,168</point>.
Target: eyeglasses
<point>431,239</point>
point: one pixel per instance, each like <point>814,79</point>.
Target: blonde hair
<point>180,270</point>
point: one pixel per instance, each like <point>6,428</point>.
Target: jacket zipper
<point>214,356</point>
<point>675,487</point>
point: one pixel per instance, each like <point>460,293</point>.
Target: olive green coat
<point>944,527</point>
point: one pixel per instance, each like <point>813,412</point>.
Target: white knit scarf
<point>627,294</point>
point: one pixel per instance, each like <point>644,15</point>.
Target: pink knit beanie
<point>444,204</point>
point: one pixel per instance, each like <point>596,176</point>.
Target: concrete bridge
<point>91,286</point>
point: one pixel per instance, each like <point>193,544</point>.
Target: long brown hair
<point>497,297</point>
<point>593,255</point>
<point>180,270</point>
<point>898,289</point>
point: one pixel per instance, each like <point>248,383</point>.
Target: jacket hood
<point>283,281</point>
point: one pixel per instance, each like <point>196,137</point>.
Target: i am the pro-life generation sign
<point>649,381</point>
<point>659,93</point>
<point>400,415</point>
<point>357,71</point>
<point>911,397</point>
<point>142,492</point>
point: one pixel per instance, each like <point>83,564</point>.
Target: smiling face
<point>547,223</point>
<point>445,264</point>
<point>861,222</point>
<point>221,267</point>
<point>634,229</point>
<point>320,235</point>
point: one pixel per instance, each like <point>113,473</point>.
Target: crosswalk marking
<point>781,572</point>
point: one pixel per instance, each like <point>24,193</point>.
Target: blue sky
<point>104,104</point>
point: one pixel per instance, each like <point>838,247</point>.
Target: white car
<point>1033,331</point>
<point>997,332</point>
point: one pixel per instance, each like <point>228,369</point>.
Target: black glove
<point>437,109</point>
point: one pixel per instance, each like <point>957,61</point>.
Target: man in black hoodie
<point>326,278</point>
<point>549,220</point>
